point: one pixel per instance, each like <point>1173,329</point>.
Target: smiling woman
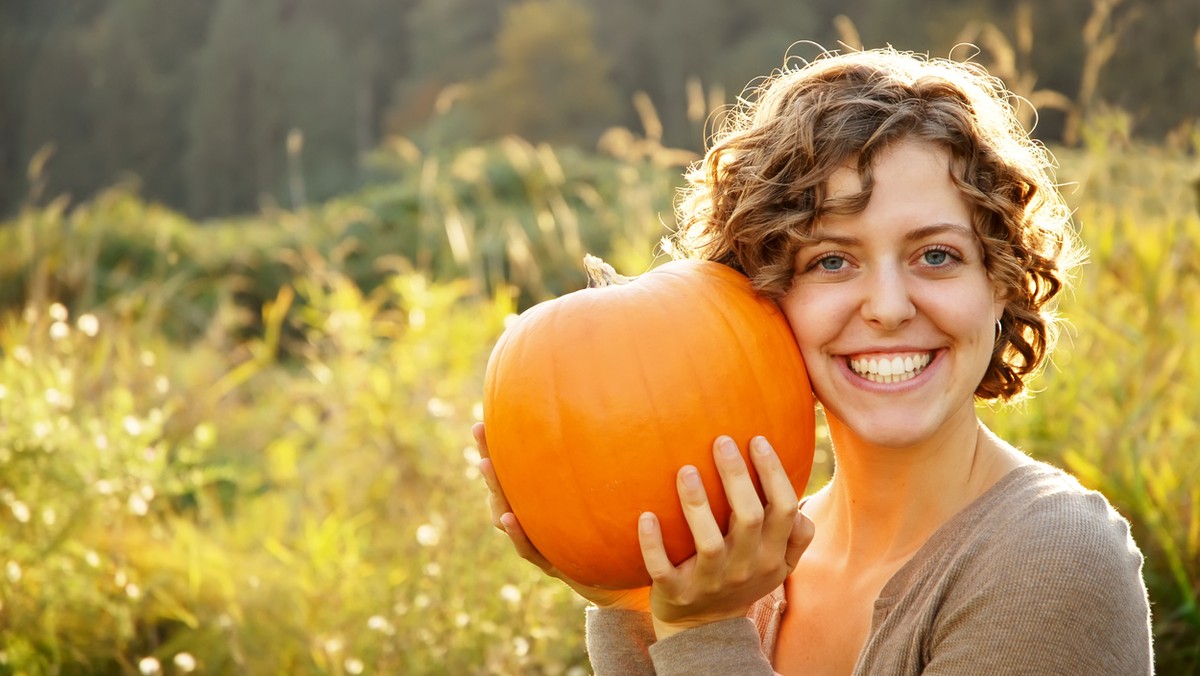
<point>902,281</point>
<point>913,236</point>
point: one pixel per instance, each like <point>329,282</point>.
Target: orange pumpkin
<point>594,400</point>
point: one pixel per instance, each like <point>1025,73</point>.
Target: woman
<point>911,233</point>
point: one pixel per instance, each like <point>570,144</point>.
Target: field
<point>243,446</point>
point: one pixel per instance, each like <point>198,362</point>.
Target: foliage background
<point>247,294</point>
<point>194,101</point>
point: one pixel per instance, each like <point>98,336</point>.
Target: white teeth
<point>894,370</point>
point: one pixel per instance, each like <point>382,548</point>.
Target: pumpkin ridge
<point>580,496</point>
<point>736,325</point>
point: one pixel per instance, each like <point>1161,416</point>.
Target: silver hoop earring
<point>999,329</point>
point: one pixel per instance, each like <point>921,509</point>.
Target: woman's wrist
<point>664,629</point>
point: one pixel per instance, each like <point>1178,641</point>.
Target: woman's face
<point>892,307</point>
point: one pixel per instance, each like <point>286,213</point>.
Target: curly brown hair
<point>757,195</point>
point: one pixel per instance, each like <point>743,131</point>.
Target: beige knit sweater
<point>1037,576</point>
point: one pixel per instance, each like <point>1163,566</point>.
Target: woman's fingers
<point>497,502</point>
<point>731,570</point>
<point>477,431</point>
<point>780,495</point>
<point>521,542</point>
<point>654,552</point>
<point>799,539</point>
<point>706,534</point>
<point>745,505</point>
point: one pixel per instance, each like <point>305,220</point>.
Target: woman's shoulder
<point>1040,507</point>
<point>1038,576</point>
<point>1042,518</point>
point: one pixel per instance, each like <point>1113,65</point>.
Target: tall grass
<point>1118,406</point>
<point>243,446</point>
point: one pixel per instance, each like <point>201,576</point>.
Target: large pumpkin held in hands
<point>594,400</point>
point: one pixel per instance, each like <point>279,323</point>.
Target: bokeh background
<point>254,255</point>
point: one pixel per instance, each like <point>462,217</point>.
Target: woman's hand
<point>729,572</point>
<point>504,519</point>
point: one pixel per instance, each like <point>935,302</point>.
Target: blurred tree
<point>107,93</point>
<point>549,82</point>
<point>450,42</point>
<point>376,34</point>
<point>264,73</point>
<point>1154,73</point>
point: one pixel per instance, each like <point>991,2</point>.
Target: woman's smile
<point>892,306</point>
<point>889,367</point>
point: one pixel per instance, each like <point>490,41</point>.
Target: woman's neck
<point>883,503</point>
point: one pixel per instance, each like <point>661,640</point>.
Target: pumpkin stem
<point>602,274</point>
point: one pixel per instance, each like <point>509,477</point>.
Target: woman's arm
<point>1058,590</point>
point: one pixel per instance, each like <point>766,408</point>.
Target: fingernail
<point>727,447</point>
<point>646,522</point>
<point>760,445</point>
<point>691,478</point>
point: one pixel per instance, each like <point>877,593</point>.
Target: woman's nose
<point>887,300</point>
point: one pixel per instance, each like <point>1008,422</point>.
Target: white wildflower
<point>138,505</point>
<point>439,408</point>
<point>185,662</point>
<point>42,429</point>
<point>89,325</point>
<point>510,593</point>
<point>20,511</point>
<point>428,535</point>
<point>132,425</point>
<point>416,318</point>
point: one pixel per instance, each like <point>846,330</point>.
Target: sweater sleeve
<point>718,649</point>
<point>618,641</point>
<point>1061,592</point>
<point>623,642</point>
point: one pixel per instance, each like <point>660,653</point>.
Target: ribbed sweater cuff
<point>721,648</point>
<point>618,641</point>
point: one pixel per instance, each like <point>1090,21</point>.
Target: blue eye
<point>936,257</point>
<point>832,263</point>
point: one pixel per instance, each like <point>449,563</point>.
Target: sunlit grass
<point>244,446</point>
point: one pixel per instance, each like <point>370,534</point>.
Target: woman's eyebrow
<point>939,229</point>
<point>836,240</point>
<point>923,232</point>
